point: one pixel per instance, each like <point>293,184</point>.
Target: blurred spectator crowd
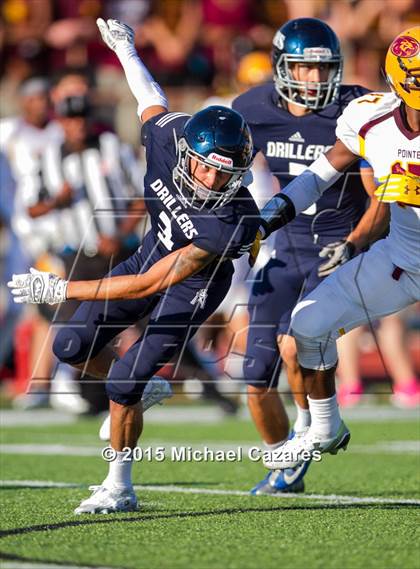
<point>60,85</point>
<point>184,43</point>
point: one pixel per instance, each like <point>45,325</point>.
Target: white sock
<point>303,419</point>
<point>325,416</point>
<point>119,474</point>
<point>273,446</point>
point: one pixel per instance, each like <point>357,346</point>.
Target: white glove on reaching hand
<point>116,35</point>
<point>337,253</point>
<point>38,287</point>
<point>120,38</point>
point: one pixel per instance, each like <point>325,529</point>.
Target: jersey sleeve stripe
<point>170,117</point>
<point>367,126</point>
<point>361,146</point>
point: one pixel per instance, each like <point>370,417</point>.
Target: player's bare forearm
<point>371,226</point>
<point>191,261</point>
<point>375,220</point>
<point>340,156</point>
<point>168,271</point>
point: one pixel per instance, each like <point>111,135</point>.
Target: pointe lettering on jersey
<point>408,154</point>
<point>276,149</point>
<point>377,131</point>
<point>175,208</point>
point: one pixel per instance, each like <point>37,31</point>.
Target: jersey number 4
<point>165,230</point>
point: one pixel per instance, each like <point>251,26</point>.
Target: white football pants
<point>357,293</point>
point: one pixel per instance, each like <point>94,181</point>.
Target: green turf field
<point>361,508</point>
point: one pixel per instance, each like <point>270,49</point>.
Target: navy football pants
<point>277,288</point>
<point>173,321</point>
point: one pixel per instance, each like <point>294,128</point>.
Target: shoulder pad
<point>158,124</point>
<point>369,107</point>
<point>360,114</point>
<point>249,102</point>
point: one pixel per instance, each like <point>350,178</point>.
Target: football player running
<point>201,218</point>
<point>384,129</point>
<point>293,121</point>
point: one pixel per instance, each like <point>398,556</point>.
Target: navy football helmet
<point>218,137</point>
<point>306,40</point>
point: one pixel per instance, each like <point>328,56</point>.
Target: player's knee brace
<point>68,346</point>
<point>316,353</point>
<point>315,346</point>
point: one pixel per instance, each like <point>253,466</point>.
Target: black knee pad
<point>68,346</point>
<point>125,383</point>
<point>124,394</point>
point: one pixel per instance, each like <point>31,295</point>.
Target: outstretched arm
<point>39,288</point>
<point>168,271</point>
<point>120,38</point>
<point>307,188</point>
<point>302,192</point>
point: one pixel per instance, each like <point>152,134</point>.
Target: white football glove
<point>116,35</point>
<point>120,38</point>
<point>38,287</point>
<point>337,253</point>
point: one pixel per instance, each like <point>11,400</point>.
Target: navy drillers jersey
<point>227,231</point>
<point>290,144</point>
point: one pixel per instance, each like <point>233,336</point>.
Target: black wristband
<point>264,229</point>
<point>276,213</point>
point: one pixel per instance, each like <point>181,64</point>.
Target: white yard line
<point>327,498</point>
<point>410,447</point>
<point>27,565</point>
<point>173,414</point>
<point>33,565</point>
<point>336,498</point>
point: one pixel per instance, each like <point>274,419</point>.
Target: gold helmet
<point>402,66</point>
<point>254,68</point>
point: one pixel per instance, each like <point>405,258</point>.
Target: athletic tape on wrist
<point>323,168</point>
